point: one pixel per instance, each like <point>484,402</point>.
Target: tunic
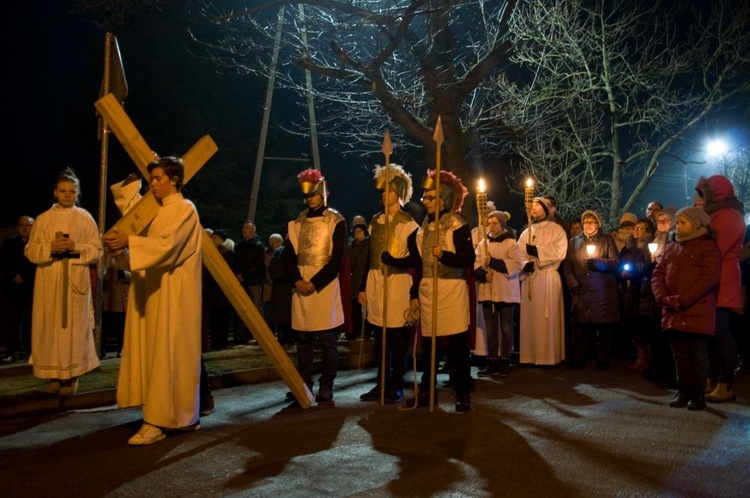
<point>542,338</point>
<point>160,368</point>
<point>453,314</point>
<point>63,352</point>
<point>399,280</point>
<point>323,309</point>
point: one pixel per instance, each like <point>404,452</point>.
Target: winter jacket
<point>594,291</point>
<point>727,219</point>
<point>684,284</point>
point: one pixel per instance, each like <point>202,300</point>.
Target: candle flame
<point>529,183</point>
<point>652,247</point>
<point>481,186</point>
<point>590,249</point>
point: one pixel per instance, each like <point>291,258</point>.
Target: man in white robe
<point>542,339</point>
<point>451,256</point>
<point>161,363</point>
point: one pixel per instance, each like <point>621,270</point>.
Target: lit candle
<point>590,248</point>
<point>652,247</point>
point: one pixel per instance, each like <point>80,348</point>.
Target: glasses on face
<point>662,222</point>
<point>428,198</point>
<point>638,229</point>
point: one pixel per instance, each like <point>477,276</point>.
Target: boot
<point>640,359</point>
<point>697,400</point>
<point>710,386</point>
<point>721,394</point>
<point>504,368</point>
<point>682,398</point>
<point>492,368</point>
<point>463,402</point>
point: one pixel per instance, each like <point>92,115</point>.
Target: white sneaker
<point>147,434</point>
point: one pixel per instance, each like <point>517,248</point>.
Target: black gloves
<point>498,265</point>
<point>480,274</point>
<point>387,259</point>
<point>531,250</point>
<point>529,267</point>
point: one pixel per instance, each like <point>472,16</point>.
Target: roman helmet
<point>452,191</point>
<point>312,181</point>
<point>399,179</point>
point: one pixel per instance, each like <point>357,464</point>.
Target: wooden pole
<point>387,151</point>
<point>438,137</point>
<point>529,201</point>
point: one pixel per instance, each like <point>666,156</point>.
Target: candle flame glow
<point>529,183</point>
<point>590,249</point>
<point>481,186</point>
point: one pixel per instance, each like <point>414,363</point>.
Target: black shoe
<point>698,402</point>
<point>463,402</point>
<point>503,370</point>
<point>394,396</point>
<point>371,395</point>
<point>422,400</point>
<point>324,395</point>
<point>680,400</point>
<point>207,410</point>
<point>492,368</point>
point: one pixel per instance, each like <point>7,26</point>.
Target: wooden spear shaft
<point>438,137</point>
<point>387,151</point>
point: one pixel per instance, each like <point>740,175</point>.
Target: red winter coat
<point>729,223</point>
<point>684,285</point>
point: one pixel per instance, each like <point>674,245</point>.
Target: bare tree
<point>380,65</point>
<point>611,86</point>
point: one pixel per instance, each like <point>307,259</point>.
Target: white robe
<point>453,314</point>
<point>542,338</point>
<point>399,284</point>
<point>59,352</point>
<point>160,368</point>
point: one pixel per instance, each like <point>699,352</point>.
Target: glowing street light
<point>717,147</point>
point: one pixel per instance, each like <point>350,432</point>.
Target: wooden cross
<point>138,218</point>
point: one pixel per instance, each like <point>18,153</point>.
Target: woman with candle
<point>590,267</point>
<point>635,267</point>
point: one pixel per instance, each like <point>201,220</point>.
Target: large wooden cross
<point>138,218</point>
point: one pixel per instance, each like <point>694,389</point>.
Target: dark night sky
<point>56,66</point>
<point>53,78</point>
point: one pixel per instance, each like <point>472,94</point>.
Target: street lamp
<point>718,148</point>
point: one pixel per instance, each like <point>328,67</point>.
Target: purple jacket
<point>685,283</point>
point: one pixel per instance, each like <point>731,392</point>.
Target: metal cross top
<point>139,217</point>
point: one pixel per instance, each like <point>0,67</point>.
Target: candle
<point>590,248</point>
<point>652,247</point>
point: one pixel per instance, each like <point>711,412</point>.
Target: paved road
<point>546,432</point>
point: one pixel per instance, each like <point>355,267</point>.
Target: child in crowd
<point>684,284</point>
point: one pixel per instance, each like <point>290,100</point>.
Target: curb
<point>40,403</point>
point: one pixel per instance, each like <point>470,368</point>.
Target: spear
<point>387,150</point>
<point>438,137</point>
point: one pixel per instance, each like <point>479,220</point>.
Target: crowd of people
<point>664,291</point>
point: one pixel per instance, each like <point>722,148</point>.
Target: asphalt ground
<point>540,432</point>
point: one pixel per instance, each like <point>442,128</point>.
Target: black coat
<point>594,290</point>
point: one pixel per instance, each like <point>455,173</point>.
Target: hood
<point>716,188</point>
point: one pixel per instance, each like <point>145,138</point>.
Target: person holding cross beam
<point>453,253</point>
<point>161,359</point>
<point>62,244</point>
<point>385,290</point>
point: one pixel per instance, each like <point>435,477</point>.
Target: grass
<point>105,377</point>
